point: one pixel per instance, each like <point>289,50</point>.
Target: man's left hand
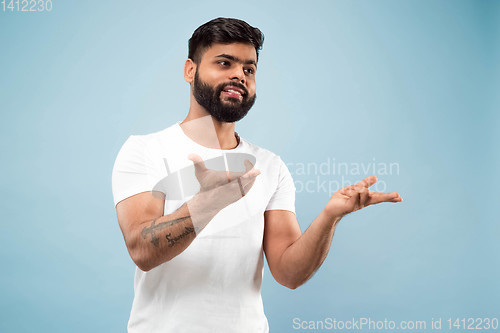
<point>354,197</point>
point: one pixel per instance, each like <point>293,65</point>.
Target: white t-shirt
<point>214,284</point>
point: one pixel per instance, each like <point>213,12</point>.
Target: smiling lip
<point>239,90</point>
<point>233,92</point>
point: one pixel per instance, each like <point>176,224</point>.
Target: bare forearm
<point>161,239</point>
<point>301,259</point>
<point>152,242</point>
<point>157,241</point>
<point>298,262</point>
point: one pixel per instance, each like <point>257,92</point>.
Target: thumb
<point>199,165</point>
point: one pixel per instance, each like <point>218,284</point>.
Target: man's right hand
<point>219,189</point>
<point>153,238</point>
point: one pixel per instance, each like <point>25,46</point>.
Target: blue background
<point>408,82</point>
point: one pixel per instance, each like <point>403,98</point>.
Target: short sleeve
<point>284,196</point>
<point>133,171</point>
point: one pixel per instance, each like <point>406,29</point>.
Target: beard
<point>228,111</point>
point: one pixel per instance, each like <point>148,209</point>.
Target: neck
<point>203,129</point>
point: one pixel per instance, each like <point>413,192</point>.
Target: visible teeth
<point>234,91</point>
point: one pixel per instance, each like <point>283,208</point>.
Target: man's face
<point>224,82</point>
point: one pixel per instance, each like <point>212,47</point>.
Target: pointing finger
<point>252,173</point>
<point>248,165</point>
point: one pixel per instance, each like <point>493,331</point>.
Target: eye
<point>224,63</point>
<point>249,71</point>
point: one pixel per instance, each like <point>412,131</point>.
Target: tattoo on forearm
<point>155,240</point>
<point>172,241</point>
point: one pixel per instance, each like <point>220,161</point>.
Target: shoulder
<point>272,167</point>
<point>159,136</point>
<point>152,141</point>
<point>262,154</point>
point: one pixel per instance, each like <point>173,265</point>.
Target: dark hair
<point>224,31</point>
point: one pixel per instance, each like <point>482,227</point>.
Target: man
<point>198,206</point>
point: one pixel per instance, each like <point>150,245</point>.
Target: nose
<point>238,74</point>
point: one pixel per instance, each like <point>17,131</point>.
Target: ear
<point>189,70</point>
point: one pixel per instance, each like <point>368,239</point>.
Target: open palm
<point>354,197</point>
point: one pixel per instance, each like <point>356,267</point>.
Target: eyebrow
<point>233,58</point>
